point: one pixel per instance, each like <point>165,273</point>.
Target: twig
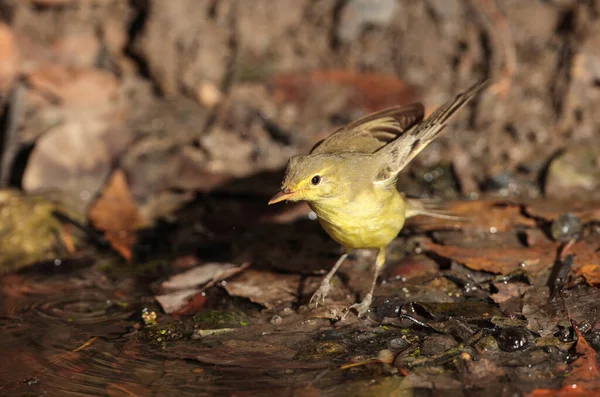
<point>9,146</point>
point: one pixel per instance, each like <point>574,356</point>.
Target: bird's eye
<point>316,180</point>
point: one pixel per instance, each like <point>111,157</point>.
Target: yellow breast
<point>369,220</point>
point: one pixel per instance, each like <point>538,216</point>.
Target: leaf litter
<point>505,299</point>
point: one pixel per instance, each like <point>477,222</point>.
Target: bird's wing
<point>370,133</point>
<point>395,155</point>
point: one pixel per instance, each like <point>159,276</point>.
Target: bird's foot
<point>320,294</point>
<point>363,307</point>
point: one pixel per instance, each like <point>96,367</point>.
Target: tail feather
<point>434,209</point>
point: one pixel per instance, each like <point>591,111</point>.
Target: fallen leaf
<point>115,214</point>
<point>10,59</point>
<point>507,291</point>
<point>499,260</point>
<point>191,305</point>
<point>370,91</point>
<point>548,210</point>
<point>175,301</point>
<point>411,267</point>
<point>587,261</point>
<point>265,288</point>
<point>591,273</point>
<point>77,87</point>
<point>195,277</point>
<point>225,274</point>
<point>584,378</point>
<point>486,215</point>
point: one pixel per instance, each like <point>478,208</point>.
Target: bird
<point>349,180</point>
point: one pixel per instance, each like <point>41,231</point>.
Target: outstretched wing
<point>399,152</point>
<point>370,133</point>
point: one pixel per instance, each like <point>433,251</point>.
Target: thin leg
<point>323,290</point>
<point>363,307</point>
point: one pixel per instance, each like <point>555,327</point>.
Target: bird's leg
<point>323,290</point>
<point>363,307</point>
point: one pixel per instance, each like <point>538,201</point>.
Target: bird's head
<point>310,178</point>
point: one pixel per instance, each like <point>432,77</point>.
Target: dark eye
<point>316,180</point>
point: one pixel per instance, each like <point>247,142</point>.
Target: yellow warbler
<point>349,179</point>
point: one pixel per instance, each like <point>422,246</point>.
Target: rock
<point>575,172</point>
<point>360,13</point>
<point>183,45</point>
<point>29,232</point>
<point>208,94</point>
<point>75,158</point>
<point>10,60</point>
<point>81,110</point>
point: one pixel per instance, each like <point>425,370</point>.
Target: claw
<point>320,294</point>
<point>362,308</point>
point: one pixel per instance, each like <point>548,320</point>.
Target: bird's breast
<point>369,220</point>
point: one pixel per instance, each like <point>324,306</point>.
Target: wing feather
<point>370,133</point>
<point>399,152</point>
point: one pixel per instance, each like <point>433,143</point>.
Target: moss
<point>214,319</point>
<point>30,231</point>
<point>159,335</point>
<point>322,349</point>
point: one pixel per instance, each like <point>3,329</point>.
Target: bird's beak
<point>281,195</point>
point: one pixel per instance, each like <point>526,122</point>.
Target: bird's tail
<point>428,207</point>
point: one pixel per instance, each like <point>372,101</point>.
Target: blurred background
<point>160,129</point>
<point>184,96</point>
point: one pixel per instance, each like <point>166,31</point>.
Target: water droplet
<point>512,339</point>
<point>566,227</point>
<point>57,262</point>
<point>312,215</point>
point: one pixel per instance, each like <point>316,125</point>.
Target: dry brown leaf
<point>265,288</point>
<point>591,273</point>
<point>587,261</point>
<point>196,276</point>
<point>115,214</point>
<point>77,87</point>
<point>10,59</point>
<point>508,291</point>
<point>370,91</point>
<point>487,215</point>
<point>548,210</point>
<point>500,260</point>
<point>182,301</point>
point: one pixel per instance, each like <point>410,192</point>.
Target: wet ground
<point>495,305</point>
<point>141,140</point>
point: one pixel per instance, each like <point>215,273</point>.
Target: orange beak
<point>281,195</point>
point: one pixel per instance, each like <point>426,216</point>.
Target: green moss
<point>159,335</point>
<point>322,349</point>
<point>215,319</point>
<point>30,231</point>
